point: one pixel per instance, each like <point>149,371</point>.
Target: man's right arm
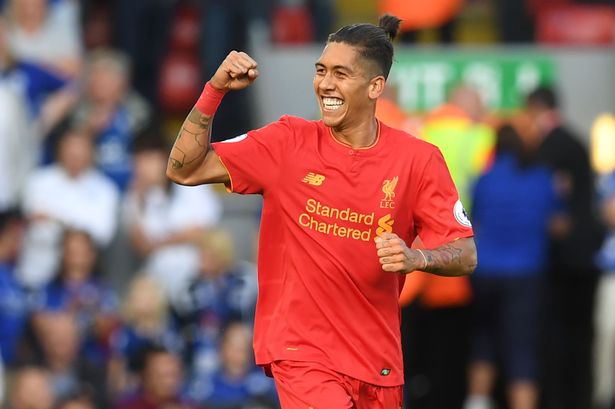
<point>192,160</point>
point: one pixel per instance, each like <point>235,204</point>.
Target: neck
<point>359,135</point>
<point>153,397</point>
<point>76,277</point>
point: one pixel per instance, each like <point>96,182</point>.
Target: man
<point>66,194</point>
<point>161,376</point>
<point>573,275</point>
<point>441,314</point>
<point>343,197</point>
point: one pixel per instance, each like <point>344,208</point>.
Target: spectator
<point>146,322</point>
<point>42,99</point>
<point>111,112</point>
<point>573,274</point>
<point>238,382</point>
<point>224,291</point>
<point>442,313</point>
<point>466,141</point>
<point>70,372</point>
<point>161,382</point>
<point>514,203</point>
<point>16,157</point>
<point>68,194</point>
<point>76,402</point>
<point>37,28</point>
<point>78,291</point>
<point>31,389</point>
<point>604,355</point>
<point>165,219</point>
<point>14,308</point>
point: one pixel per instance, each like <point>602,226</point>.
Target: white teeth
<point>332,103</point>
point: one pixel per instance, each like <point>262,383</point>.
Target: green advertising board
<point>424,78</point>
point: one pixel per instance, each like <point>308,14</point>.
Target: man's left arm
<point>453,259</point>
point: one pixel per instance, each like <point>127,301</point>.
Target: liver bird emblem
<point>388,187</point>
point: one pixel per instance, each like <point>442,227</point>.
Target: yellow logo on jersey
<point>388,188</point>
<point>385,225</point>
<point>313,179</point>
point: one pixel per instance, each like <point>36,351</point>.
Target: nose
<point>326,83</point>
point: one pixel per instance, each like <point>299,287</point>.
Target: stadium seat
<point>420,14</point>
<point>576,25</point>
<point>291,25</point>
<point>180,82</point>
<point>184,35</point>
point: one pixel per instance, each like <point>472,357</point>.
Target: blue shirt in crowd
<point>114,149</point>
<point>606,255</point>
<point>33,82</point>
<point>14,310</point>
<point>511,213</point>
<point>221,391</point>
<point>86,300</point>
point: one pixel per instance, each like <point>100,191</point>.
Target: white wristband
<point>424,258</point>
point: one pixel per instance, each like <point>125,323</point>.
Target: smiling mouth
<point>331,104</point>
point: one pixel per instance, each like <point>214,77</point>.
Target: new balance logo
<point>313,179</point>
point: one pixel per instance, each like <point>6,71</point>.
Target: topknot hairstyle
<point>375,43</point>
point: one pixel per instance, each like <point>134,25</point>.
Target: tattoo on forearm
<point>446,256</point>
<point>178,157</point>
<point>198,119</point>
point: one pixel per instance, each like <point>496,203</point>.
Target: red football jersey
<point>323,296</point>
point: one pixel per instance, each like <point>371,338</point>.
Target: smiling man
<point>344,197</point>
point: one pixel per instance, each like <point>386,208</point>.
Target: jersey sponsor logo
<point>461,215</point>
<point>236,139</point>
<point>313,179</point>
<point>385,371</point>
<point>388,188</point>
<point>343,222</point>
<point>385,225</point>
<point>324,219</point>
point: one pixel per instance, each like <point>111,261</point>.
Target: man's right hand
<point>237,71</point>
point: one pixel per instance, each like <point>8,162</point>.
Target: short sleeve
<point>439,214</point>
<point>254,160</point>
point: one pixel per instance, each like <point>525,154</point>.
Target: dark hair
<point>543,96</point>
<point>151,138</point>
<point>7,217</point>
<point>60,276</point>
<point>140,360</point>
<point>374,42</point>
<point>509,141</point>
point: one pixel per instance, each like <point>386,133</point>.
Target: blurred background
<point>119,289</point>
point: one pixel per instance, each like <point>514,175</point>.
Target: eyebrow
<point>335,67</point>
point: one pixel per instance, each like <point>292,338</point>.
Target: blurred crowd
<point>119,289</point>
<point>531,327</point>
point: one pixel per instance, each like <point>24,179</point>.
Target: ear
<point>376,87</point>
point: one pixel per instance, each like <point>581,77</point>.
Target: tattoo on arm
<point>200,137</point>
<point>445,258</point>
<point>198,119</point>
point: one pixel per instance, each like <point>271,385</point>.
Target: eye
<point>340,74</point>
<point>320,71</point>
